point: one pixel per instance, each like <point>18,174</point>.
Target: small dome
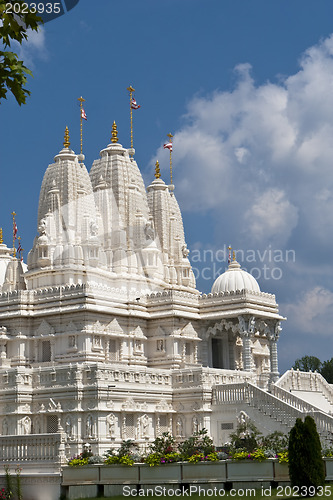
<point>235,279</point>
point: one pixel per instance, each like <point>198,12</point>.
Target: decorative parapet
<point>209,377</point>
<point>245,294</point>
<point>172,295</point>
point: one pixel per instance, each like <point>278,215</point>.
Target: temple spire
<point>1,236</point>
<point>114,133</point>
<point>66,138</point>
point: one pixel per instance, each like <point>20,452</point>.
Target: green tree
<point>13,73</point>
<point>307,363</point>
<point>306,467</point>
<point>327,370</point>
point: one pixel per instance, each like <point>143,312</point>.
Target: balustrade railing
<point>282,406</point>
<point>305,381</point>
<point>33,448</point>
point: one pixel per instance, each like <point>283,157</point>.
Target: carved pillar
<point>52,347</point>
<point>123,427</point>
<point>246,330</point>
<point>3,354</point>
<point>273,332</point>
<point>158,425</point>
<point>170,426</point>
<point>195,353</point>
<point>247,358</point>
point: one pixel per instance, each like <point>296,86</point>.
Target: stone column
<point>247,355</point>
<point>246,330</point>
<point>273,335</point>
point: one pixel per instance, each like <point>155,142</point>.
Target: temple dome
<point>235,278</point>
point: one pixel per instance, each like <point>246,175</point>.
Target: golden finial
<point>170,136</point>
<point>114,133</point>
<point>157,170</point>
<point>130,89</point>
<point>1,237</point>
<point>66,138</point>
<point>233,256</point>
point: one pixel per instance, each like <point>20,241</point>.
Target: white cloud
<point>264,151</point>
<point>271,217</point>
<point>32,48</point>
<point>312,313</point>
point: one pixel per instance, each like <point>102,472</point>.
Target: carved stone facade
<point>105,337</point>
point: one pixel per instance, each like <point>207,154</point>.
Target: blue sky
<point>246,87</point>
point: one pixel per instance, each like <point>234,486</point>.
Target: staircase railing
<point>305,381</point>
<point>282,410</point>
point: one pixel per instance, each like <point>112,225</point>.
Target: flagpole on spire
<point>1,236</point>
<point>229,256</point>
<point>131,90</point>
<point>169,147</point>
<point>20,250</point>
<point>82,115</point>
<point>14,233</point>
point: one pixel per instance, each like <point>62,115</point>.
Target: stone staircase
<point>309,386</point>
<point>272,411</point>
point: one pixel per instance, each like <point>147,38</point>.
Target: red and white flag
<point>134,105</point>
<point>19,248</point>
<point>168,145</point>
<point>15,230</point>
<point>83,114</point>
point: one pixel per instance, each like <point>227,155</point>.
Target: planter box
<point>329,468</point>
<point>281,472</point>
<point>119,474</point>
<point>204,471</point>
<point>83,491</point>
<point>250,471</point>
<point>168,473</point>
<point>85,474</point>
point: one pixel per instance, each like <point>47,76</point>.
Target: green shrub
<point>171,458</point>
<point>153,459</point>
<point>123,460</point>
<point>306,466</point>
<point>200,442</point>
<point>276,441</point>
<point>163,444</point>
<point>127,447</point>
<point>240,455</point>
<point>196,457</point>
<point>258,455</point>
<point>283,457</point>
<point>76,461</point>
<point>246,437</point>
